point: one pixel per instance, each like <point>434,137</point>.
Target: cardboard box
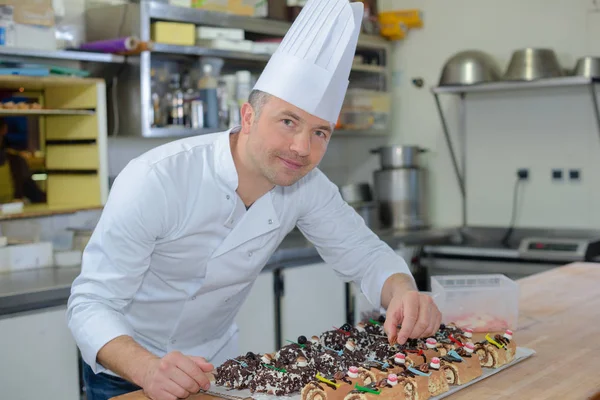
<point>249,8</point>
<point>173,33</point>
<point>32,12</point>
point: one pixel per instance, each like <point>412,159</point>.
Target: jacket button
<point>173,341</point>
<point>249,254</point>
<point>227,197</point>
<point>270,222</point>
<point>193,297</point>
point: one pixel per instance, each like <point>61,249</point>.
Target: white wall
<point>539,129</point>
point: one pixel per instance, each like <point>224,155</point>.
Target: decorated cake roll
<point>436,383</point>
<point>382,350</point>
<point>497,351</point>
<point>328,362</point>
<point>363,339</point>
<point>390,387</point>
<point>238,372</point>
<point>288,354</point>
<point>334,339</point>
<point>336,387</point>
<point>352,355</point>
<point>459,370</point>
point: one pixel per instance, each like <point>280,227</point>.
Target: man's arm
<point>357,254</point>
<point>170,377</point>
<point>116,260</point>
<point>415,312</point>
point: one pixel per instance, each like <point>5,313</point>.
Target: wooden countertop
<point>559,317</point>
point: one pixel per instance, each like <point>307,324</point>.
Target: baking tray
<point>522,354</point>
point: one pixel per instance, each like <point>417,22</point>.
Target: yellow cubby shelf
<point>73,140</point>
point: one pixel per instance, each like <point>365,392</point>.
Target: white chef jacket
<point>175,252</point>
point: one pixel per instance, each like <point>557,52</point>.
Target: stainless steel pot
<point>369,213</point>
<point>400,195</point>
<point>398,156</point>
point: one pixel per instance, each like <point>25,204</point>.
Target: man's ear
<point>247,117</point>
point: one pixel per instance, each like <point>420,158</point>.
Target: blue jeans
<point>103,386</point>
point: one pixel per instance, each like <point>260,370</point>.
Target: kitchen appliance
<point>530,64</point>
<point>588,67</point>
<point>400,188</point>
<point>479,250</point>
<point>398,156</point>
<point>469,67</point>
<point>356,192</point>
<point>360,197</point>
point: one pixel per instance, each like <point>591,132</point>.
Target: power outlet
<point>523,174</point>
<point>557,174</point>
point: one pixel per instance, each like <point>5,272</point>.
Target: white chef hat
<point>311,66</point>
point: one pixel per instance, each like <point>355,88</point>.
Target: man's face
<point>285,142</point>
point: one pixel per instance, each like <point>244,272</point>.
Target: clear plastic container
<point>484,303</point>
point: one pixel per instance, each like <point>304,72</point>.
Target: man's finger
<point>410,311</point>
<point>420,328</point>
<point>192,369</point>
<point>202,363</point>
<point>433,321</point>
<point>393,318</point>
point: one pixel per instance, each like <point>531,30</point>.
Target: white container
<point>484,303</point>
<point>26,256</point>
<point>70,258</point>
<point>209,32</point>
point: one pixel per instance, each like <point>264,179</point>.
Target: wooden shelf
<point>17,112</point>
<point>43,82</point>
<point>44,210</point>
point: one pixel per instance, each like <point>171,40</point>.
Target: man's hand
<point>176,376</point>
<point>415,312</point>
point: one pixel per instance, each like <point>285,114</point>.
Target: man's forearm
<point>125,357</point>
<point>396,285</point>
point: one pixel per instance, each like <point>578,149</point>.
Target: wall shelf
<point>515,85</point>
<point>71,55</point>
<point>496,87</point>
<point>5,112</point>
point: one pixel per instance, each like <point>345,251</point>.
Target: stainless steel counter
<point>49,287</point>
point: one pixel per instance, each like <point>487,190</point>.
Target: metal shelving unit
<point>14,112</point>
<point>176,131</point>
<point>134,80</point>
<point>161,11</point>
<point>501,86</point>
<point>70,55</point>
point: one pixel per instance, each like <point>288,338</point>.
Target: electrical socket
<point>523,174</point>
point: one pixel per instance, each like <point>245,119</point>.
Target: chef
<point>188,227</point>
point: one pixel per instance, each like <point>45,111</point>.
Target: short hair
<point>257,100</point>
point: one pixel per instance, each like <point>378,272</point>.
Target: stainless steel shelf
<point>515,85</point>
<point>62,55</point>
<point>203,51</point>
<point>180,132</point>
<point>241,55</point>
<point>16,112</point>
<point>166,12</point>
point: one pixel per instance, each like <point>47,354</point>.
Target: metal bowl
<point>588,67</point>
<point>530,64</point>
<point>468,68</point>
<point>356,193</point>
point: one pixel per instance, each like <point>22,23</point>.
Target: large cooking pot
<point>398,156</point>
<point>401,197</point>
